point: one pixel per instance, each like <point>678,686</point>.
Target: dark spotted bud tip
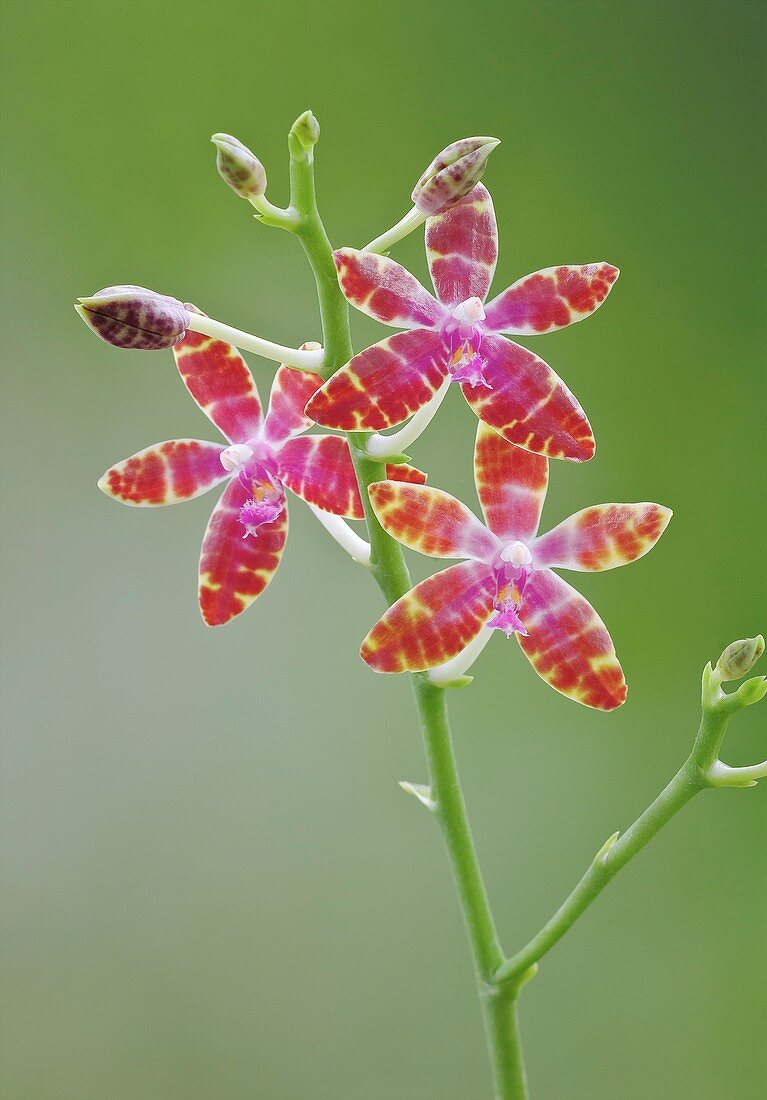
<point>452,174</point>
<point>134,317</point>
<point>238,167</point>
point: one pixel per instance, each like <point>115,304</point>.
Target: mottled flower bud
<point>307,129</point>
<point>134,317</point>
<point>452,174</point>
<point>238,167</point>
<point>740,657</point>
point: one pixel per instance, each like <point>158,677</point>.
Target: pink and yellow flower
<point>264,456</point>
<point>456,335</point>
<point>507,582</point>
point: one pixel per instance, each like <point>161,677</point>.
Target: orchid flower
<point>264,456</point>
<point>507,583</point>
<point>456,337</point>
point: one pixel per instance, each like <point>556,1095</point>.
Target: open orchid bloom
<point>507,582</point>
<point>457,336</point>
<point>265,455</point>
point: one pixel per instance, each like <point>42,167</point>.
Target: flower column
<point>444,798</point>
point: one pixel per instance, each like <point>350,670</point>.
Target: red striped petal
<point>403,471</point>
<point>220,382</point>
<point>291,390</point>
<point>511,485</point>
<point>603,537</point>
<point>383,385</point>
<point>433,622</point>
<point>568,644</point>
<point>462,248</point>
<point>551,299</point>
<point>529,404</point>
<point>318,468</point>
<point>165,473</point>
<point>431,521</point>
<point>235,570</point>
<point>385,290</point>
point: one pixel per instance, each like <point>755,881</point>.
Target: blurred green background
<point>213,887</point>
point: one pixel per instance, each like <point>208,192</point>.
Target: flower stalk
<point>386,446</point>
<point>401,229</point>
<point>388,567</point>
<point>312,360</point>
<point>453,672</point>
<point>348,539</point>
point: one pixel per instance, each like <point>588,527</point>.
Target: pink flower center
<point>462,334</point>
<point>512,572</point>
<point>256,512</point>
<point>258,476</point>
<point>267,498</point>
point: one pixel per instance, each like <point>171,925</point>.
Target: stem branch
<point>692,777</point>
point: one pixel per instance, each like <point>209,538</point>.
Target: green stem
<point>498,1004</point>
<point>691,778</point>
<point>504,1044</point>
<point>451,813</point>
<point>390,571</point>
<point>334,312</point>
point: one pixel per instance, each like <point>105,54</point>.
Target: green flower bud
<point>134,317</point>
<point>238,167</point>
<point>306,129</point>
<point>752,691</point>
<point>452,174</point>
<point>740,657</point>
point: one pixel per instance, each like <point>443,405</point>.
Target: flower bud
<point>238,167</point>
<point>452,174</point>
<point>752,691</point>
<point>740,657</point>
<point>306,129</point>
<point>134,317</point>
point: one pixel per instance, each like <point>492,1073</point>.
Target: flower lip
<point>469,370</point>
<point>256,513</point>
<point>507,619</point>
